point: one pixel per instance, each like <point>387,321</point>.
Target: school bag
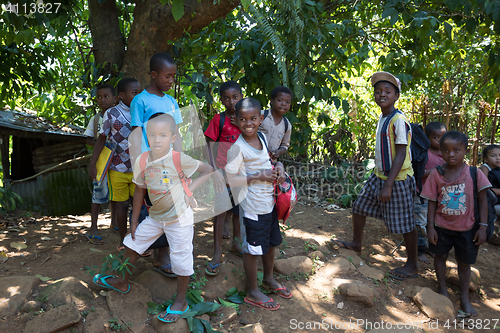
<point>419,146</point>
<point>285,195</point>
<point>176,158</point>
<point>492,201</point>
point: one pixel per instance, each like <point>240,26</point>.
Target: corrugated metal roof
<point>30,122</point>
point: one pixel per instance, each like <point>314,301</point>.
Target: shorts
<point>260,232</point>
<point>225,202</point>
<point>100,194</point>
<point>122,187</point>
<point>179,235</point>
<point>397,213</point>
<point>465,249</point>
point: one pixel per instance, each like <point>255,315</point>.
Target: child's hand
<point>274,154</point>
<point>190,201</point>
<point>385,193</point>
<point>480,236</point>
<point>281,173</point>
<point>92,171</point>
<point>233,120</point>
<point>268,175</point>
<point>133,225</point>
<point>219,183</point>
<point>432,235</point>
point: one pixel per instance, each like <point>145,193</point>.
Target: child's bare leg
<point>218,225</point>
<point>411,266</point>
<point>119,282</point>
<point>268,261</point>
<point>236,243</point>
<point>440,267</point>
<point>253,292</point>
<point>358,225</point>
<point>120,209</point>
<point>114,224</point>
<point>180,302</point>
<point>94,217</point>
<point>464,277</point>
<point>226,232</point>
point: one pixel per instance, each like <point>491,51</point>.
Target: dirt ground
<point>57,248</point>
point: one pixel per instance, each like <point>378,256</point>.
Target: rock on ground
<point>292,265</point>
<point>130,309</point>
<point>13,293</point>
<point>180,326</point>
<point>229,276</point>
<point>411,291</point>
<point>66,291</point>
<point>434,305</point>
<point>317,254</point>
<point>161,287</point>
<point>254,328</point>
<point>338,266</point>
<point>475,278</point>
<point>371,273</point>
<point>96,321</point>
<point>358,292</point>
<point>54,320</point>
<point>351,256</point>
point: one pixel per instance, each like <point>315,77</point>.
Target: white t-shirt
<point>257,197</point>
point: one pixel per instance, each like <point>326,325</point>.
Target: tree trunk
<point>107,38</point>
<point>154,27</point>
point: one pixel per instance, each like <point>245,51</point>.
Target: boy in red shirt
<point>223,131</point>
<point>450,221</point>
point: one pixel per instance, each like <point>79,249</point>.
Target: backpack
<point>176,157</point>
<point>419,146</point>
<point>492,200</point>
<point>266,113</point>
<point>285,195</point>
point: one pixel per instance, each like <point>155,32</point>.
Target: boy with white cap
<point>389,192</point>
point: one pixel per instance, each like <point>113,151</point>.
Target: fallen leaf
<point>18,246</point>
<point>299,213</point>
<point>46,238</point>
<point>340,305</point>
<point>102,293</point>
<point>95,250</point>
<point>3,257</point>
<point>43,278</point>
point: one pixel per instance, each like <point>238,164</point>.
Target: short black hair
<point>158,60</point>
<point>281,89</point>
<point>434,126</point>
<point>487,149</point>
<point>392,84</point>
<point>246,103</point>
<point>106,86</point>
<point>455,135</point>
<point>163,117</point>
<point>124,83</point>
<point>229,85</point>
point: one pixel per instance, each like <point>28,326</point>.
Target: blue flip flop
<point>100,280</point>
<point>212,267</point>
<point>180,313</point>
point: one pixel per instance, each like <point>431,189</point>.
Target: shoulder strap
<point>285,119</point>
<point>440,170</point>
<point>222,120</point>
<point>176,157</point>
<point>473,175</point>
<point>266,113</point>
<point>263,139</point>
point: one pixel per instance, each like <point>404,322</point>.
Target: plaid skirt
<point>397,213</point>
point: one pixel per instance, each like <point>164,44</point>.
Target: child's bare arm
<point>99,145</point>
<point>208,153</point>
<point>480,236</point>
<point>397,163</point>
<point>277,152</point>
<point>484,170</point>
<point>136,208</point>
<point>177,145</point>
<point>266,175</point>
<point>205,171</point>
<point>431,217</point>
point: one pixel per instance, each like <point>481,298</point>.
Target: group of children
<point>243,146</point>
<point>444,211</point>
<point>149,167</point>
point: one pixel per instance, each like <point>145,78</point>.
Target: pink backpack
<point>285,195</point>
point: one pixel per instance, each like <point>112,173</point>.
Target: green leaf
<point>207,325</point>
<point>198,326</point>
<point>205,307</point>
<point>228,304</point>
<point>448,29</point>
<point>236,298</point>
<point>232,291</point>
<point>177,9</point>
<point>246,3</point>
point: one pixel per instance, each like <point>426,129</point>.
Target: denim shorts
<point>100,194</point>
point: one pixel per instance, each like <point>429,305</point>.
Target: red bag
<point>286,198</point>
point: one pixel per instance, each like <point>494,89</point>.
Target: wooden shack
<point>45,164</point>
